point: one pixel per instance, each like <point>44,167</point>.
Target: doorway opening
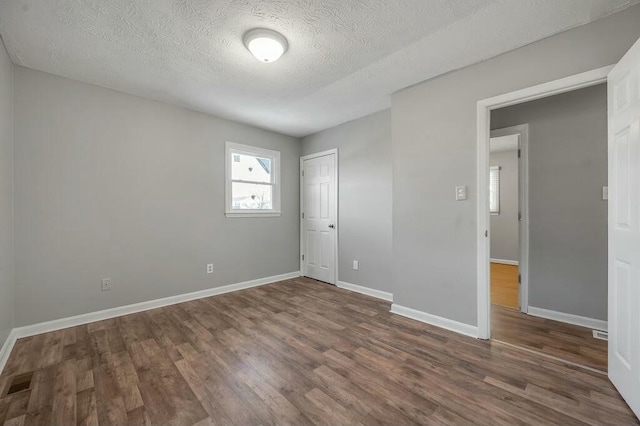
<point>547,293</point>
<point>509,218</point>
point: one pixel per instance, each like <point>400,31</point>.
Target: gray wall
<point>504,226</point>
<point>6,198</point>
<point>434,149</point>
<point>567,216</point>
<point>112,185</point>
<point>364,149</point>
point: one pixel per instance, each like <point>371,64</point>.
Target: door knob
<point>332,226</point>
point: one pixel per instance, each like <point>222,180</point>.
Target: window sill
<point>253,214</point>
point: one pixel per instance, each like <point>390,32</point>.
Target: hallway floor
<point>504,285</point>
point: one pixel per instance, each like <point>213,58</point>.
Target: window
<point>494,190</point>
<point>253,182</point>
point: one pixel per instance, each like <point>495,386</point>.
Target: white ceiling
<point>345,56</point>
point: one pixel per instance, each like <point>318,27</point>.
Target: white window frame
<point>232,148</point>
<point>495,169</point>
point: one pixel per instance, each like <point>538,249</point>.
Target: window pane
<point>494,190</point>
<point>250,167</point>
<point>251,196</point>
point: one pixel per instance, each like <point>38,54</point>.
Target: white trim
<point>230,148</point>
<point>379,294</point>
<point>319,154</point>
<point>568,318</point>
<point>45,327</point>
<point>6,348</point>
<point>269,214</point>
<point>336,175</point>
<point>458,327</point>
<point>504,261</point>
<point>551,88</point>
<point>484,107</point>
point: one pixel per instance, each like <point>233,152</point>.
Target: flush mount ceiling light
<point>266,45</point>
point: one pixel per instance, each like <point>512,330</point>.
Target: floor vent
<point>599,334</point>
<point>20,383</point>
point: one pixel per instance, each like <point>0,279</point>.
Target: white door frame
<point>335,200</point>
<point>522,130</point>
<point>484,108</point>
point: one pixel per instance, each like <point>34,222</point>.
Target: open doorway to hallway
<point>548,248</point>
<point>504,209</point>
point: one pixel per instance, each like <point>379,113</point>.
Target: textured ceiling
<point>345,57</point>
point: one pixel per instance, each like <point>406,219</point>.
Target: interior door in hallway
<point>319,214</point>
<point>624,227</point>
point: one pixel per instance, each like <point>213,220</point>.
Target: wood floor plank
<point>16,421</point>
<point>301,352</point>
<point>64,398</point>
<point>208,399</point>
<point>86,410</point>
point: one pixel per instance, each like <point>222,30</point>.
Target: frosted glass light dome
<point>266,45</point>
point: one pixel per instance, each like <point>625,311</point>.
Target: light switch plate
<point>356,265</point>
<point>605,192</point>
<point>461,193</point>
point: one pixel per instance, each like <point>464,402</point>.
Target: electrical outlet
<point>356,265</point>
<point>461,193</point>
<point>106,284</point>
<point>209,268</point>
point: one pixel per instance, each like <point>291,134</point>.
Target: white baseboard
<point>6,348</point>
<point>458,327</point>
<point>45,327</point>
<point>365,290</point>
<point>568,318</point>
<point>505,261</point>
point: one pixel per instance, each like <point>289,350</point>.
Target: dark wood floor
<point>566,341</point>
<point>295,352</point>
